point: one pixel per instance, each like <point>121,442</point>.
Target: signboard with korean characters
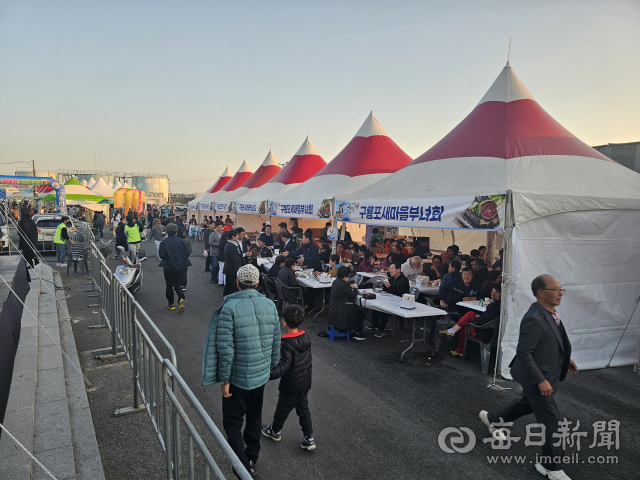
<point>482,212</point>
<point>251,207</point>
<point>302,208</point>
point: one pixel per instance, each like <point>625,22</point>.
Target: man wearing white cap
<point>242,346</point>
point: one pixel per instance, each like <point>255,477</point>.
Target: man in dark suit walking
<point>233,260</point>
<point>543,358</point>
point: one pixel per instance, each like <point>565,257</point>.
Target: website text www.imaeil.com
<point>605,435</point>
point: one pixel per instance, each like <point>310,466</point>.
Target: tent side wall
<point>595,256</point>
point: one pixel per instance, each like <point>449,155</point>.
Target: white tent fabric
<point>84,182</point>
<point>101,188</point>
<point>576,216</point>
<point>126,185</point>
<point>91,183</point>
<point>117,185</point>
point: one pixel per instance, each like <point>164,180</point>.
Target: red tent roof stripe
<point>302,166</point>
<point>242,175</point>
<point>519,128</point>
<point>221,182</point>
<point>367,155</point>
<point>299,169</point>
<point>262,176</point>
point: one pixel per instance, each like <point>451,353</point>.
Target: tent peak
<point>371,127</point>
<point>307,148</point>
<point>507,88</point>
<point>226,173</point>
<point>270,159</point>
<point>244,167</point>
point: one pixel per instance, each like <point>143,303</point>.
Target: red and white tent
<point>269,169</point>
<point>197,203</point>
<point>303,165</point>
<point>241,176</point>
<point>369,157</point>
<point>573,214</point>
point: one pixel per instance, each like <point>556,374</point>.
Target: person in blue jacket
<point>309,250</point>
<point>241,349</point>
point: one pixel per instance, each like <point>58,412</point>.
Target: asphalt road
<point>377,418</point>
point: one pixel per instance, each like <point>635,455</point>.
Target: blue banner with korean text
<point>483,212</point>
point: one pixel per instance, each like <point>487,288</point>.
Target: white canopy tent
<point>198,204</point>
<point>117,185</point>
<point>573,213</point>
<point>252,208</point>
<point>101,188</point>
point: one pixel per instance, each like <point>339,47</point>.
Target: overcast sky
<point>187,88</point>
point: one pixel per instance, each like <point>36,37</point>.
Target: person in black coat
<point>480,272</point>
<point>121,237</point>
<point>221,245</point>
<point>287,244</point>
<point>397,284</point>
<point>462,289</point>
<point>233,260</point>
<point>273,271</point>
<point>343,314</point>
<point>28,232</point>
<point>491,312</point>
<point>294,372</point>
<point>287,276</point>
<point>543,358</point>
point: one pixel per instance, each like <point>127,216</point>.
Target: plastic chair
<point>281,288</point>
<point>268,282</point>
<point>415,291</point>
<point>333,333</point>
<point>485,348</point>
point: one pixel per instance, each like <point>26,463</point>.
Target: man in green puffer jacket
<point>242,346</point>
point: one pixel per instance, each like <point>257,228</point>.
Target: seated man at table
<point>422,249</point>
<point>266,236</point>
<point>342,252</point>
<point>473,254</point>
<point>325,252</point>
<point>278,263</point>
<point>448,278</point>
<point>480,272</point>
<point>343,314</point>
<point>263,250</point>
<point>434,270</point>
<point>464,289</point>
<point>366,264</point>
<point>309,250</point>
<point>412,267</point>
<point>479,319</point>
<point>494,278</point>
<point>445,261</point>
<point>287,244</point>
<point>397,284</point>
<point>386,263</point>
<point>287,276</point>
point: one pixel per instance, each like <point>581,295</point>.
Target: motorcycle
<point>130,274</point>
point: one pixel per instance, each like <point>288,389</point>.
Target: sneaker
<point>267,431</point>
<point>445,333</point>
<point>358,336</point>
<point>370,327</point>
<point>57,264</point>
<point>184,289</point>
<point>378,334</point>
<point>181,305</point>
<point>308,443</point>
<point>497,433</point>
<point>215,282</point>
<point>171,306</point>
<point>252,472</point>
<point>323,334</point>
<point>63,264</point>
<point>455,354</point>
<point>552,474</point>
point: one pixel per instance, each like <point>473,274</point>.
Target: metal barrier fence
<point>156,381</point>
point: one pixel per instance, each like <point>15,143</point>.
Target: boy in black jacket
<point>294,371</point>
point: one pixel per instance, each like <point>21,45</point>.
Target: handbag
<point>369,296</point>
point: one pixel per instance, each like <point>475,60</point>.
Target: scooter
<point>130,274</point>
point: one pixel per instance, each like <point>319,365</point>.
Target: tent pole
<point>334,223</point>
<point>507,268</point>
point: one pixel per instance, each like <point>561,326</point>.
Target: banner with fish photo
<point>480,213</point>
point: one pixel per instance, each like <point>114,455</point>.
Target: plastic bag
<point>205,254</point>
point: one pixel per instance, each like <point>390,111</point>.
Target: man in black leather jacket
<point>294,371</point>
